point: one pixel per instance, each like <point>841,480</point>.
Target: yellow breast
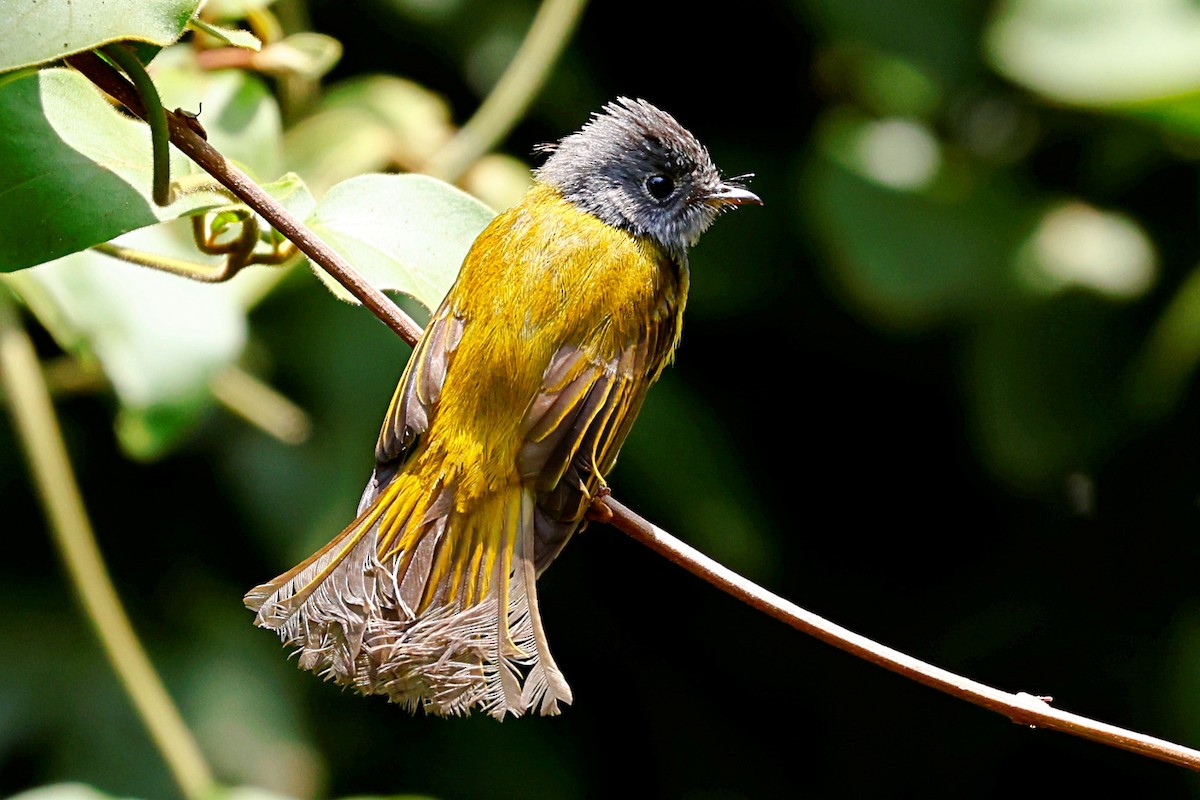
<point>543,276</point>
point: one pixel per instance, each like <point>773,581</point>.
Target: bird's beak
<point>728,194</point>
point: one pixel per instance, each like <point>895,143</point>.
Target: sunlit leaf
<point>367,124</point>
<point>293,193</point>
<point>158,338</point>
<point>64,791</point>
<point>1076,245</point>
<point>252,793</point>
<point>1139,58</point>
<point>407,233</point>
<point>39,32</point>
<point>305,54</point>
<point>233,37</point>
<point>1098,52</point>
<point>75,171</point>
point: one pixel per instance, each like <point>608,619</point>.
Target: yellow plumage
<point>513,406</point>
<point>593,309</point>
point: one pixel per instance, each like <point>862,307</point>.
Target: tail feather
<point>430,605</point>
<point>545,685</point>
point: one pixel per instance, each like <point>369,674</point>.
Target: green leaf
<point>234,37</point>
<point>367,124</point>
<point>1165,369</point>
<point>407,233</point>
<point>1100,53</point>
<point>293,194</point>
<point>40,32</point>
<point>158,338</point>
<point>74,172</point>
<point>927,33</point>
<point>913,246</point>
<point>1137,58</point>
<point>63,791</point>
<point>305,54</point>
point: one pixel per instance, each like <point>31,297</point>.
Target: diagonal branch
<point>195,147</point>
<point>1022,708</point>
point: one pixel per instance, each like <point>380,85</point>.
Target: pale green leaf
<point>306,54</point>
<point>407,233</point>
<point>234,37</point>
<point>40,31</point>
<point>1098,52</point>
<point>367,124</point>
<point>293,194</point>
<point>158,338</point>
<point>63,791</point>
<point>74,172</point>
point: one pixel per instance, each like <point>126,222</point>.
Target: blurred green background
<point>939,389</point>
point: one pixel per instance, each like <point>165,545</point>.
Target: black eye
<point>660,186</point>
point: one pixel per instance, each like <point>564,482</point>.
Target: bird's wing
<point>412,405</point>
<point>577,424</point>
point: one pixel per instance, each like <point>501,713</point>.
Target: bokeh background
<point>938,389</point>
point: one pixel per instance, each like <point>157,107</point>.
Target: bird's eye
<point>660,186</point>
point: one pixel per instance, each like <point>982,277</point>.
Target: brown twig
<point>250,193</point>
<point>1021,708</point>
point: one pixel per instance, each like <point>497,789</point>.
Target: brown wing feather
<point>408,415</point>
<point>576,426</point>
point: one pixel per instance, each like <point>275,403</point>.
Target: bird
<point>508,415</point>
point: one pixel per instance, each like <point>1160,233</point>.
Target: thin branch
<point>37,427</point>
<point>512,94</point>
<point>200,151</point>
<point>1022,708</point>
<point>192,270</point>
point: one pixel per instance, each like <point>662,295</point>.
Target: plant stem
<point>192,270</point>
<point>512,94</point>
<point>41,438</point>
<point>260,405</point>
<point>156,116</point>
